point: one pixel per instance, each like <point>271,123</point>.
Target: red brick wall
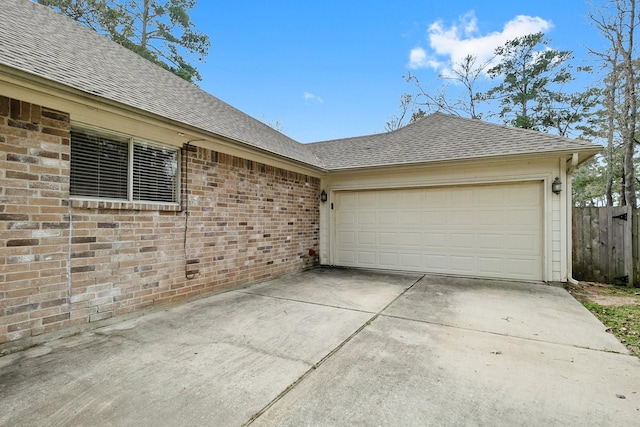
<point>64,263</point>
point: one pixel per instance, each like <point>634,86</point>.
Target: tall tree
<point>528,68</point>
<point>617,21</point>
<point>159,30</point>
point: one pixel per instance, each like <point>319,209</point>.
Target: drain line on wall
<point>188,273</point>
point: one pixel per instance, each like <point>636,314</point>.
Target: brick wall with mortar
<point>34,219</point>
<point>67,262</point>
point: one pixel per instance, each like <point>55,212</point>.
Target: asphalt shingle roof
<point>39,41</point>
<point>440,137</point>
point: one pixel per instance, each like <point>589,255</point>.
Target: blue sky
<point>331,69</point>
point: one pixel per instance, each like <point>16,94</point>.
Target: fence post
<point>628,246</point>
<point>635,233</point>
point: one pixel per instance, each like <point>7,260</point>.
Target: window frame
<point>131,142</point>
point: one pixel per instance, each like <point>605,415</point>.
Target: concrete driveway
<point>336,347</point>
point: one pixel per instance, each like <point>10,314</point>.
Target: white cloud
<point>450,44</point>
<point>308,96</point>
<point>418,58</point>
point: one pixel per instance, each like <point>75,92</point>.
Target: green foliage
<point>589,183</point>
<point>532,92</point>
<point>158,30</point>
<point>623,321</point>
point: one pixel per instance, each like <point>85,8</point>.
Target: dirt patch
<point>603,294</point>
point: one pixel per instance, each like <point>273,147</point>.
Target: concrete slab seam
<point>306,302</point>
<point>500,335</point>
<point>327,356</point>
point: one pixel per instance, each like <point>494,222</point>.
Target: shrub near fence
<point>605,245</point>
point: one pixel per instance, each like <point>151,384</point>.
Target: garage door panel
<point>410,218</point>
<point>388,259</point>
<point>348,200</point>
<point>490,242</point>
<point>461,241</point>
<point>366,218</point>
<point>491,196</point>
<point>483,230</point>
<point>435,262</point>
<point>387,218</point>
<point>434,217</point>
<point>522,242</point>
<point>388,198</point>
<point>388,239</point>
<point>491,266</point>
<point>522,222</point>
<point>346,238</point>
<point>366,259</point>
<point>366,200</point>
<point>409,239</point>
<point>460,197</point>
<point>366,238</point>
<point>490,217</point>
<point>346,218</point>
<point>457,218</point>
<point>347,258</point>
<point>522,268</point>
<point>435,240</point>
<point>436,197</point>
<point>462,263</point>
<point>410,261</point>
<point>409,198</point>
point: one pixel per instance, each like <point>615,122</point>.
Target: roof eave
<point>41,81</point>
<point>584,153</point>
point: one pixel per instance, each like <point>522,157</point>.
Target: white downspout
<point>571,165</point>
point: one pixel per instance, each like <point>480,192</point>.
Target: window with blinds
<point>117,168</point>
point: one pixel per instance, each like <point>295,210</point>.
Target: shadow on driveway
<point>336,347</point>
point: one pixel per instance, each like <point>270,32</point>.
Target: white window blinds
<point>154,173</point>
<point>117,168</point>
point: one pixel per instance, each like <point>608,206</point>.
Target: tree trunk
<point>143,24</point>
<point>632,111</point>
<point>611,97</point>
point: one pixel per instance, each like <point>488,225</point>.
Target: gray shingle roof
<point>441,137</point>
<point>39,41</point>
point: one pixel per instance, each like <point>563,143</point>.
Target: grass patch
<point>623,321</point>
<point>618,308</point>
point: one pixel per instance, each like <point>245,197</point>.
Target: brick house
<point>125,187</point>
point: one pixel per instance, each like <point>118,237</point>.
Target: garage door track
<point>336,347</point>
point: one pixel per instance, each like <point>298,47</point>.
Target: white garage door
<point>480,230</point>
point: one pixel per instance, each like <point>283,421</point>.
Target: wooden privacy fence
<point>605,245</point>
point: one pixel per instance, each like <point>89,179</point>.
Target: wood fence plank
<point>605,248</point>
<point>601,262</point>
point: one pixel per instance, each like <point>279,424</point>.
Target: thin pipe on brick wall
<point>189,275</point>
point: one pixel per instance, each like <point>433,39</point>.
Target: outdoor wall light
<point>323,196</point>
<point>556,186</point>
